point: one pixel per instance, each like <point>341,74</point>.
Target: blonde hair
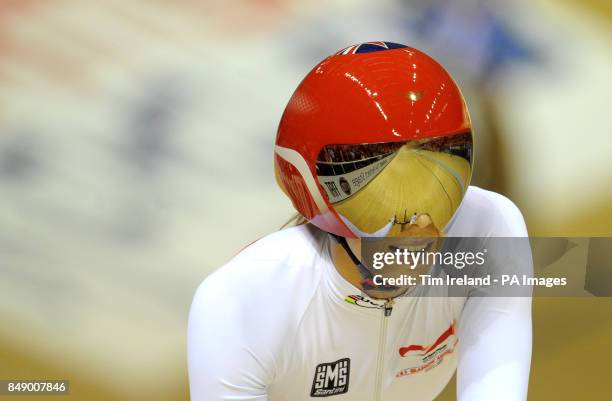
<point>295,220</point>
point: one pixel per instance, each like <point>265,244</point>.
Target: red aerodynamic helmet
<point>375,135</point>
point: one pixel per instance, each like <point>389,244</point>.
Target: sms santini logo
<point>331,378</point>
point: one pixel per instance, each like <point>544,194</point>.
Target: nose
<point>423,220</point>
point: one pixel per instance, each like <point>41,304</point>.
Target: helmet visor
<point>378,188</point>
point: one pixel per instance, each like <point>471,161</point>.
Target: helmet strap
<point>367,282</point>
<point>347,248</point>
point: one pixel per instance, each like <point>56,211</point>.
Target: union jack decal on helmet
<point>369,47</point>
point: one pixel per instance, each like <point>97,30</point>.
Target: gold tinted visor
<point>377,189</point>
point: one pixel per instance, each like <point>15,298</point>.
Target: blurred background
<point>136,157</point>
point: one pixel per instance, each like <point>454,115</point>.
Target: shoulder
<point>487,213</point>
<point>265,289</point>
<point>274,261</point>
<point>492,203</point>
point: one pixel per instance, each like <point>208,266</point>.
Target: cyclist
<point>376,141</point>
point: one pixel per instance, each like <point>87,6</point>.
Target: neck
<point>356,274</point>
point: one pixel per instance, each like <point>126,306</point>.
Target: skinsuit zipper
<point>388,308</point>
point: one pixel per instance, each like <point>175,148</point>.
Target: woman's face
<point>419,234</point>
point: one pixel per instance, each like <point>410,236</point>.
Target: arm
<point>494,350</point>
<point>223,364</point>
<point>495,332</point>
